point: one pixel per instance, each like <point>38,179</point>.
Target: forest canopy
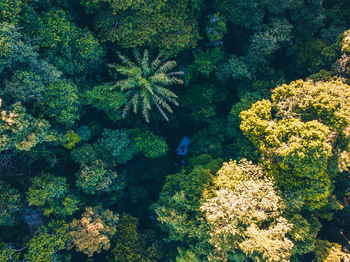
<point>175,130</point>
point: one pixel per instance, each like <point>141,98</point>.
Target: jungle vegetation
<point>96,95</point>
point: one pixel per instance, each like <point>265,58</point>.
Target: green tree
<point>52,195</point>
<point>61,103</point>
<point>144,85</point>
<point>84,155</point>
<point>107,100</point>
<point>96,177</point>
<point>47,242</point>
<point>93,232</point>
<point>10,204</point>
<point>133,245</point>
<point>10,11</point>
<point>115,145</point>
<point>149,144</point>
<point>178,206</point>
<point>7,254</point>
<point>234,68</point>
<point>24,86</point>
<point>17,53</point>
<point>163,24</point>
<point>70,48</point>
<point>248,13</point>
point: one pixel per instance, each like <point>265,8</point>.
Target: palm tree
<point>145,82</point>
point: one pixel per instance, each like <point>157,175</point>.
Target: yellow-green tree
<point>303,136</point>
<point>133,245</point>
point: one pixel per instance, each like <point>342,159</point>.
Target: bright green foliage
<point>93,231</point>
<point>168,25</point>
<point>72,139</point>
<point>295,133</point>
<point>346,42</point>
<point>9,11</point>
<point>10,204</point>
<point>71,49</point>
<point>7,254</point>
<point>132,245</point>
<point>61,102</point>
<point>116,145</point>
<point>95,177</point>
<point>149,144</point>
<point>104,98</point>
<point>43,247</point>
<point>19,130</point>
<point>52,195</point>
<point>145,84</point>
<point>178,205</point>
<point>245,215</point>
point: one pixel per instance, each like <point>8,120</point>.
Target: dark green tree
<point>10,205</point>
<point>115,145</point>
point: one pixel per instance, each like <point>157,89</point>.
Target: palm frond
<point>135,102</point>
<point>125,60</point>
<point>149,89</point>
<point>137,56</point>
<point>164,92</point>
<point>166,67</point>
<point>160,78</point>
<point>146,106</point>
<point>164,104</point>
<point>160,110</point>
<point>156,63</point>
<point>127,109</point>
<point>145,63</point>
<point>174,80</point>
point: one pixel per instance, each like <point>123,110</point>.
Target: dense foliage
<point>174,130</point>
